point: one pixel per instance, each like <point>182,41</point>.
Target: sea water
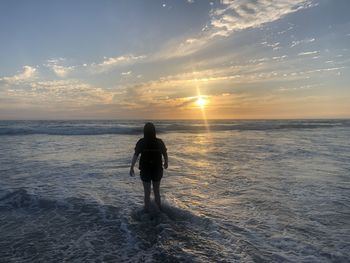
<point>235,191</point>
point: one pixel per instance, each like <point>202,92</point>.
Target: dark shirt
<point>151,153</point>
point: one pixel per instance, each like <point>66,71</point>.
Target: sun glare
<point>201,102</point>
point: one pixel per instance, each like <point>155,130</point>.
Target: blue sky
<point>154,59</point>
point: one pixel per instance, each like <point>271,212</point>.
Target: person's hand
<point>132,172</point>
<point>166,165</point>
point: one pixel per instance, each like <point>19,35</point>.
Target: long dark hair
<point>149,131</point>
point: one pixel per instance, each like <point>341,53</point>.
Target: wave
<point>135,128</point>
<point>75,229</point>
<point>68,131</point>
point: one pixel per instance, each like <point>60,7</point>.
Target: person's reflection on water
<point>151,165</point>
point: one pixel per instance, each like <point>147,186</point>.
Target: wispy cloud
<point>127,73</point>
<point>307,53</point>
<point>304,41</point>
<point>274,46</point>
<point>62,69</point>
<point>234,16</point>
<point>242,14</point>
<point>111,62</point>
<point>298,88</point>
<point>58,93</point>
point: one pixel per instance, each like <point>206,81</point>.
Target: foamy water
<point>244,191</point>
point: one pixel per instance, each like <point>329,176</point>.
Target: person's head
<point>149,131</point>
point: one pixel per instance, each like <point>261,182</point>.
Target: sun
<point>201,102</point>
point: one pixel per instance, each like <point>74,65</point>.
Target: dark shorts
<point>151,175</point>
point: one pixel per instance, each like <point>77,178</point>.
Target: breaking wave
<point>109,127</point>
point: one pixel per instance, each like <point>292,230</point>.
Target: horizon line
<point>210,119</point>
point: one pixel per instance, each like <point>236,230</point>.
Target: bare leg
<point>157,194</point>
<point>147,192</point>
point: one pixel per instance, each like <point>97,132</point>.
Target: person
<point>151,165</point>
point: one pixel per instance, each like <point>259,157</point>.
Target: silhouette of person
<point>151,165</point>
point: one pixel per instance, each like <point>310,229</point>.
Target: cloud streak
<point>109,63</point>
<point>308,53</point>
<point>60,68</point>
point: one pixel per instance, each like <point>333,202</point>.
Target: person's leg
<point>147,192</point>
<point>156,185</point>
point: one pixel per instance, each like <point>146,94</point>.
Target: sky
<point>180,59</point>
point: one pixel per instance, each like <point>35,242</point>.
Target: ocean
<point>235,191</point>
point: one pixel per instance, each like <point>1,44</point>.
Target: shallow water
<point>240,191</point>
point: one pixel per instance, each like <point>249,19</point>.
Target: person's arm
<point>138,148</point>
<point>133,162</point>
<point>165,155</point>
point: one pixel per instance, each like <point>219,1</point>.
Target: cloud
<point>233,16</point>
<point>304,41</point>
<point>175,90</point>
<point>242,14</point>
<point>178,91</point>
<point>274,46</point>
<point>72,92</point>
<point>60,70</point>
<point>28,73</point>
<point>57,94</point>
<point>111,62</point>
<point>279,57</point>
<point>308,53</point>
<point>126,73</point>
<point>298,88</point>
<point>120,60</point>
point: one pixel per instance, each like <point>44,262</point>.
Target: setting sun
<point>201,102</point>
